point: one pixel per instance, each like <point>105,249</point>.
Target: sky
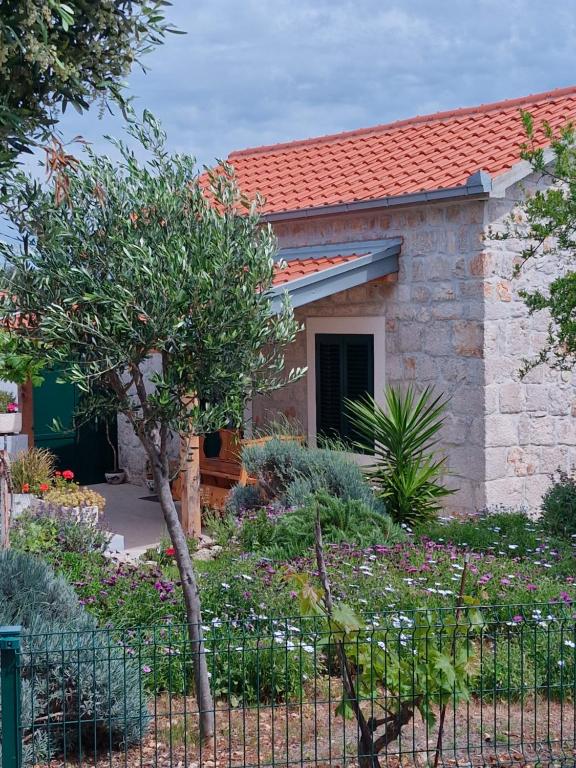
<point>252,72</point>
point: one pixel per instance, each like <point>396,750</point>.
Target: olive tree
<point>144,258</point>
<point>56,53</point>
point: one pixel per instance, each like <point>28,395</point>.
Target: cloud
<point>263,71</point>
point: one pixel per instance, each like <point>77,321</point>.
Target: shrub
<point>74,495</point>
<point>243,497</point>
<point>289,472</point>
<point>31,469</point>
<point>402,436</point>
<point>38,533</point>
<point>71,673</point>
<point>343,521</point>
<point>559,507</point>
<point>256,530</point>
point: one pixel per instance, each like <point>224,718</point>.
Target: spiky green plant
<point>31,468</point>
<point>407,470</point>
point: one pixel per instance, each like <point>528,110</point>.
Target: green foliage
<point>37,533</point>
<point>288,472</point>
<point>100,692</point>
<point>19,362</point>
<point>544,223</point>
<point>256,531</point>
<point>56,53</point>
<point>402,437</point>
<point>32,468</point>
<point>343,521</point>
<point>559,508</point>
<point>419,663</point>
<point>133,264</point>
<point>30,591</point>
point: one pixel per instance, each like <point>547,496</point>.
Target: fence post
<point>10,696</point>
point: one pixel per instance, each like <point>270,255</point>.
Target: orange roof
<point>297,268</point>
<point>425,153</point>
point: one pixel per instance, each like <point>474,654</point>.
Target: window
<point>344,370</point>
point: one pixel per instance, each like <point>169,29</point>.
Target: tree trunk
<point>191,600</point>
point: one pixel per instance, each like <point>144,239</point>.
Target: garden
<point>396,637</point>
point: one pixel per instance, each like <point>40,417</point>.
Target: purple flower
<point>517,619</point>
<point>146,669</point>
<point>531,587</point>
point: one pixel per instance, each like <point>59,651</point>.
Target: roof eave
<point>519,171</point>
<point>478,186</point>
<point>340,277</point>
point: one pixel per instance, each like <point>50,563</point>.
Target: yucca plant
<point>407,470</point>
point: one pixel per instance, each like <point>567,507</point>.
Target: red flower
<point>25,487</point>
<point>57,474</point>
<point>68,474</point>
<point>170,551</point>
<point>44,487</point>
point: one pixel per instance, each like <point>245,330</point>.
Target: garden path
<point>132,512</point>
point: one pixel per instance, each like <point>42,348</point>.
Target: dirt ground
<point>539,733</point>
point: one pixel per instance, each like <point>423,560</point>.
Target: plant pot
<point>21,502</point>
<point>10,423</point>
<point>88,515</point>
<point>115,478</point>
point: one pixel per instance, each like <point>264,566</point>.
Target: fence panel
<point>120,697</point>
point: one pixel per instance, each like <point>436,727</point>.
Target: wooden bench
<point>219,473</point>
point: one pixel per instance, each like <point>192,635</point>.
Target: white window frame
<point>372,325</point>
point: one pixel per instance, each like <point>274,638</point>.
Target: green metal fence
<point>115,697</point>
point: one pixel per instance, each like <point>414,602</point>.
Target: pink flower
<point>12,407</point>
<point>505,582</point>
<point>517,619</point>
<point>531,587</point>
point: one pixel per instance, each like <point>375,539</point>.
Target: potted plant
<point>32,475</point>
<point>10,417</point>
<point>67,497</point>
<point>117,476</point>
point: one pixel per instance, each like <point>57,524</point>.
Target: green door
<point>85,450</point>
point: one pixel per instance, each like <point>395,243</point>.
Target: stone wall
<point>131,454</point>
<point>434,320</point>
<point>530,422</point>
<point>454,320</point>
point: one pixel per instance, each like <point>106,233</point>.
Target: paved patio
<point>131,513</point>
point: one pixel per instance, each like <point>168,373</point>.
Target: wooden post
<point>5,497</point>
<point>190,507</point>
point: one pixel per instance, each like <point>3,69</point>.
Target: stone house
<point>385,235</point>
<point>391,272</point>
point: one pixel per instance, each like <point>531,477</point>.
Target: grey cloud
<point>262,71</point>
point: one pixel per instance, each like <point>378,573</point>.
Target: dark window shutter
<point>359,373</point>
<point>344,370</point>
<point>328,387</point>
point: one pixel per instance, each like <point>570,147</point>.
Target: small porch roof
<point>314,272</point>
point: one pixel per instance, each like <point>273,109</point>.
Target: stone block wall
<point>434,320</point>
<point>131,454</point>
<point>530,421</point>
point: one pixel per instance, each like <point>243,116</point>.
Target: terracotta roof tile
<point>424,153</point>
<point>297,268</point>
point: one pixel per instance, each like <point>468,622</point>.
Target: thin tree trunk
<point>191,599</point>
<point>367,757</point>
